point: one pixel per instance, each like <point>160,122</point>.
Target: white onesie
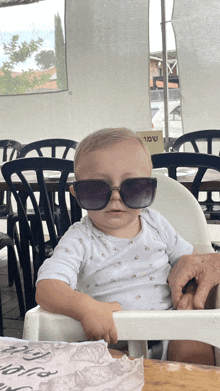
<point>132,272</point>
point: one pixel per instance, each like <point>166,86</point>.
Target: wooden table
<point>52,182</point>
<point>211,181</point>
<point>172,376</point>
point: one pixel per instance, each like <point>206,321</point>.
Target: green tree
<point>60,62</point>
<point>45,59</point>
<point>18,84</point>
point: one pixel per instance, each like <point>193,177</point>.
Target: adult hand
<point>97,322</point>
<point>205,268</point>
<point>186,302</point>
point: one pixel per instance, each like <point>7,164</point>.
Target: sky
<point>38,21</point>
<point>155,26</point>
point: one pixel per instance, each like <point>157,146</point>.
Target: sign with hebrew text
<point>153,139</point>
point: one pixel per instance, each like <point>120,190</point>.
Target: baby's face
<point>114,164</point>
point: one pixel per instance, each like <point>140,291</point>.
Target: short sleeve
<point>66,260</point>
<point>176,246</point>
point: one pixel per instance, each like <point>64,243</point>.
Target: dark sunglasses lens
<point>138,193</point>
<point>92,195</point>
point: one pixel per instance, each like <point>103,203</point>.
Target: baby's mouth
<point>115,211</point>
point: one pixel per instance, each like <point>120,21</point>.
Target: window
<point>32,46</point>
<point>157,96</point>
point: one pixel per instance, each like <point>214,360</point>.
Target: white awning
<point>9,3</point>
<point>107,51</point>
<point>197,31</point>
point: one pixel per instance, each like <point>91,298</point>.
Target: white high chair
<point>183,211</point>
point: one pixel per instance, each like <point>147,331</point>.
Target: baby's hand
<point>98,323</point>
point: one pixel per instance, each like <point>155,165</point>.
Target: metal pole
<point>165,75</point>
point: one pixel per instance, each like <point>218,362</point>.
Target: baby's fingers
<point>97,335</point>
<point>115,306</point>
<point>113,335</point>
<point>110,336</point>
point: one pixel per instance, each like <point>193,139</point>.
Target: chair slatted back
<point>55,147</point>
<point>9,150</point>
<point>38,227</point>
<point>207,137</point>
<point>203,162</point>
<point>49,148</point>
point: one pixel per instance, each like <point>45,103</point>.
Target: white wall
<point>108,81</point>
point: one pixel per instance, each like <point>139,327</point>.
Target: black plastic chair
<point>34,246</point>
<point>207,137</point>
<point>8,150</point>
<point>55,147</point>
<point>172,161</point>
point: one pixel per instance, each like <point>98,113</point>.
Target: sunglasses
<point>136,193</point>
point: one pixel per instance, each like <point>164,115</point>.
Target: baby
<point>119,256</point>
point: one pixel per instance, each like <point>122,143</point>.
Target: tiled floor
<point>12,322</point>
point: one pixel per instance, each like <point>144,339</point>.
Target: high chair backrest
<point>182,210</point>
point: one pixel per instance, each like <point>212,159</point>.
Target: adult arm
<point>95,317</point>
<point>205,268</point>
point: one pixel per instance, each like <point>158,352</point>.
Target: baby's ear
<point>72,191</point>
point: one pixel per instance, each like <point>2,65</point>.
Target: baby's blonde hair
<point>104,138</point>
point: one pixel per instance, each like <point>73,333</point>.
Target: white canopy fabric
<point>9,3</point>
<point>197,30</point>
<point>107,51</point>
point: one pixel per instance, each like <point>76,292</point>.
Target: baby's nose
<point>115,195</point>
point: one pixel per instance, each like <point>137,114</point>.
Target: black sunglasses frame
<point>150,182</point>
